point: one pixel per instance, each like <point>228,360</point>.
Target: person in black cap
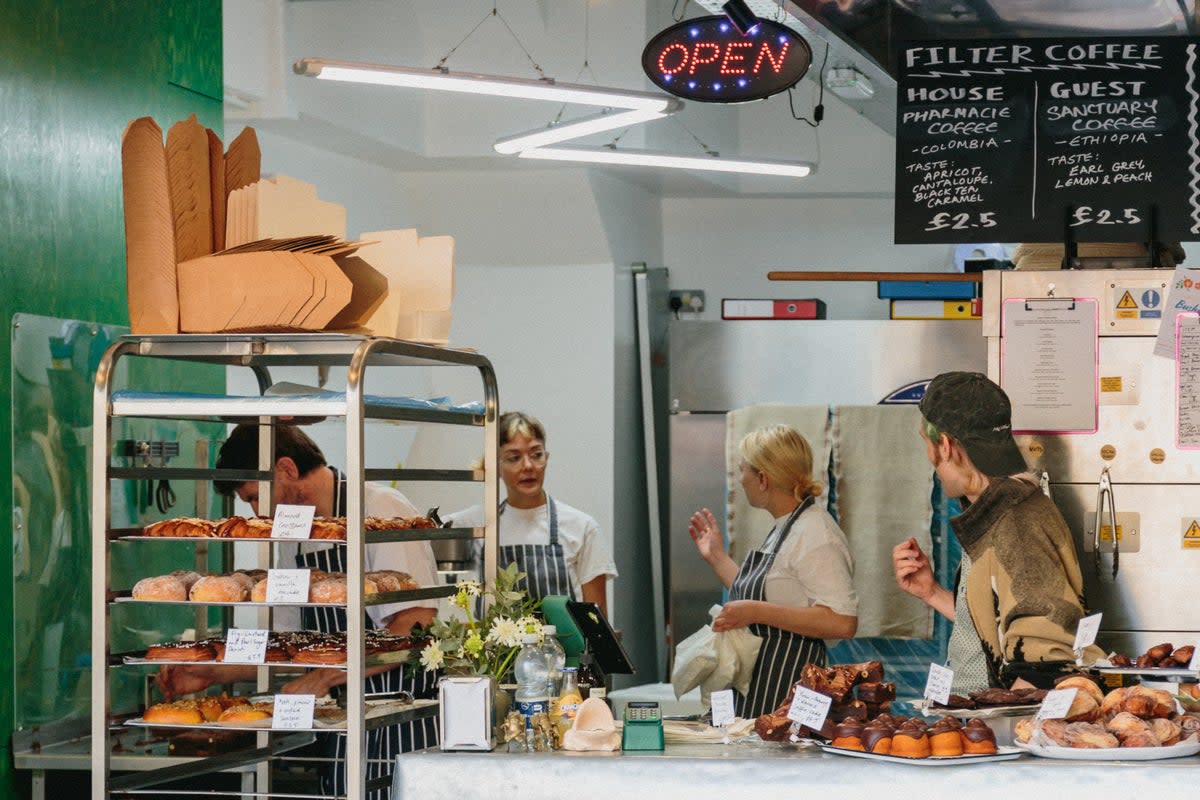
<point>1019,593</point>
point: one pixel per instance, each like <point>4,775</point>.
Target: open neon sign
<point>708,60</point>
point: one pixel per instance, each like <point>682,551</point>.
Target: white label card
<point>1085,634</point>
<point>293,711</point>
<point>1194,664</point>
<point>809,708</point>
<point>245,646</point>
<point>292,522</point>
<point>937,685</point>
<point>1056,704</point>
<point>722,708</point>
<point>288,585</point>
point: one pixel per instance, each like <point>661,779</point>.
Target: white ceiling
<point>412,130</point>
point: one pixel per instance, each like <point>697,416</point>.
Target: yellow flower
<point>473,646</point>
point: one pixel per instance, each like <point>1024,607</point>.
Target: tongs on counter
<point>1105,501</point>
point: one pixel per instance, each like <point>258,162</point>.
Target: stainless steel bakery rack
<point>359,355</point>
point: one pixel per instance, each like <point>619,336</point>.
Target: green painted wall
<point>72,74</point>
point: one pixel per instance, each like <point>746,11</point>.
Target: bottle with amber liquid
<point>591,683</point>
<point>564,709</point>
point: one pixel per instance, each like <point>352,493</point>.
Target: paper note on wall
<point>1183,298</point>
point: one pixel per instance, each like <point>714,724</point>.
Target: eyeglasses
<point>536,457</point>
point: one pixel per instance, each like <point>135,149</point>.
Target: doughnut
<point>181,651</point>
<point>245,580</point>
<point>390,580</point>
<point>163,587</point>
<point>187,577</point>
<point>180,712</point>
<point>219,589</point>
<point>329,590</point>
<point>258,594</point>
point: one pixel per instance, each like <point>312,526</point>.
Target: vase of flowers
<point>481,636</point>
<point>483,633</point>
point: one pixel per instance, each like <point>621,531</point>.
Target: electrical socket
<point>687,300</point>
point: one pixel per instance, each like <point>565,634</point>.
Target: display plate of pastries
<point>1162,660</point>
<point>250,586</point>
<point>238,527</point>
<point>1130,723</point>
<point>910,740</point>
<point>298,648</point>
<point>989,703</point>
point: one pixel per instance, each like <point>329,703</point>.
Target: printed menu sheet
<point>1049,364</point>
<point>1187,389</point>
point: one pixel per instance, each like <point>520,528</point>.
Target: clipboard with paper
<point>1049,363</point>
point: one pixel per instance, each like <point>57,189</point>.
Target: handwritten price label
<point>1056,704</point>
<point>292,522</point>
<point>245,646</point>
<point>1085,634</point>
<point>293,711</point>
<point>809,708</point>
<point>937,685</point>
<point>722,708</point>
<point>288,585</point>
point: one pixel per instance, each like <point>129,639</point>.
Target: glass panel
<point>53,366</point>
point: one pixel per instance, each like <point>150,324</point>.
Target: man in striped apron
<point>303,478</point>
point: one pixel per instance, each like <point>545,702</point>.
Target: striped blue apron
<point>783,653</point>
<point>383,744</point>
<point>544,565</point>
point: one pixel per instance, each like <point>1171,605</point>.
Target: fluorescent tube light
<point>564,131</point>
<point>648,158</point>
<point>493,85</point>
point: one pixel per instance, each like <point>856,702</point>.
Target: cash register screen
<point>601,638</point>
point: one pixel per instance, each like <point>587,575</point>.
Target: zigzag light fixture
<point>623,108</point>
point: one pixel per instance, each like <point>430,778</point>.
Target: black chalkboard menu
<point>1046,140</point>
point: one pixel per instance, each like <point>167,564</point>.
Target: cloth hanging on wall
<point>748,526</point>
<point>883,483</point>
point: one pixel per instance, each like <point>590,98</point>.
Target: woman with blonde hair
<point>797,590</point>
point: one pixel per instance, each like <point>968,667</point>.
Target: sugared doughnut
<point>163,587</point>
<point>329,590</point>
<point>258,594</point>
<point>219,589</point>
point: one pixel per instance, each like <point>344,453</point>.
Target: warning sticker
<point>1191,534</point>
<point>1137,302</point>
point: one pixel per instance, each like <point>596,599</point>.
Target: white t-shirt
<point>586,550</point>
<point>813,566</point>
<point>416,558</point>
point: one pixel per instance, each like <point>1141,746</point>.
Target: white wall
<point>727,247</point>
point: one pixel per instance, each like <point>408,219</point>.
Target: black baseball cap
<point>973,410</point>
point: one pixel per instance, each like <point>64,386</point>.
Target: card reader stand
<point>643,729</point>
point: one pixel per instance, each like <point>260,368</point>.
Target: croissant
<point>1125,725</point>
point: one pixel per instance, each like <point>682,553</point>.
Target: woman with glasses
<point>559,548</point>
<point>797,590</point>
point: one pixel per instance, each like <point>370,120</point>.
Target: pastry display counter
<point>758,769</point>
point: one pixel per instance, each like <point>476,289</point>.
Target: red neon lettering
<point>765,53</point>
<point>732,56</point>
<point>698,60</point>
<point>662,58</point>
